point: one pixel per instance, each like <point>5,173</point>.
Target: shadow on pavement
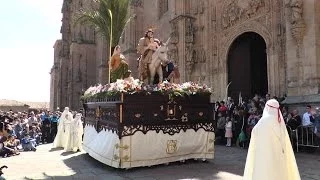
<point>55,149</point>
<point>227,163</point>
<point>67,153</point>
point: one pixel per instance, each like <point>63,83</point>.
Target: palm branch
<point>101,19</point>
<point>109,19</point>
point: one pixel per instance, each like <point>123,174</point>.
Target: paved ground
<point>56,164</point>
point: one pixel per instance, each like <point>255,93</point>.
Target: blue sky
<point>28,31</point>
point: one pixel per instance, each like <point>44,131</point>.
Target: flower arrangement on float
<point>131,86</point>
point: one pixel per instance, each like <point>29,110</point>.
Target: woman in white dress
<point>64,130</point>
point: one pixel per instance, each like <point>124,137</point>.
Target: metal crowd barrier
<point>291,133</point>
<point>306,137</point>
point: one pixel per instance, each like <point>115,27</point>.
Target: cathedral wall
<point>83,72</point>
<point>52,87</point>
<point>201,34</point>
<point>201,10</point>
<point>101,60</point>
<point>204,30</point>
<point>130,36</point>
<point>81,33</point>
<point>317,38</point>
<point>310,78</point>
<point>302,47</point>
<point>82,61</point>
<point>63,83</point>
<point>58,52</point>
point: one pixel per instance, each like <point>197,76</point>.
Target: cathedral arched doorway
<point>247,66</point>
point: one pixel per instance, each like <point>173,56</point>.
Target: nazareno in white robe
<point>64,130</point>
<point>77,132</point>
<point>270,155</point>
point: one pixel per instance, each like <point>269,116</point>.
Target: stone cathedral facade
<point>254,46</point>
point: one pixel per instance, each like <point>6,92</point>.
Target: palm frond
<point>100,18</point>
<point>94,18</point>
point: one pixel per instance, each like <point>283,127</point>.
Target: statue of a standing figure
<point>119,67</point>
<point>296,11</point>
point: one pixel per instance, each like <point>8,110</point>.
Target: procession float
<point>130,124</point>
<point>147,121</point>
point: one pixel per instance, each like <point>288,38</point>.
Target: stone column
<point>295,31</point>
<point>183,41</point>
<point>302,47</point>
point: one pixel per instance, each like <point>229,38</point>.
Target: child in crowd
<point>35,133</point>
<point>228,134</point>
<point>28,143</point>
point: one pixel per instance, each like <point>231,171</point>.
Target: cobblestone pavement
<point>56,164</point>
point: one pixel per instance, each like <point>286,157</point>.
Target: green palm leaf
<point>100,18</point>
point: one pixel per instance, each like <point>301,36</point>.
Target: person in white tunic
<point>77,132</point>
<point>270,154</point>
<point>64,130</point>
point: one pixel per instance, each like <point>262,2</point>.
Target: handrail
<point>306,137</point>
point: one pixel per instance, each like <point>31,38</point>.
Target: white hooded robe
<point>270,155</point>
<point>64,130</point>
<point>77,132</point>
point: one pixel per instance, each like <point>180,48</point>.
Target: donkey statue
<point>159,59</point>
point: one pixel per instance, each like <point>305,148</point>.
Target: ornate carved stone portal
<point>237,11</point>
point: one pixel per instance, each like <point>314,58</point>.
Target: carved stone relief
<point>213,13</point>
<point>298,26</point>
<point>199,55</point>
<point>173,53</point>
<point>190,55</point>
<point>175,34</point>
<point>202,57</point>
<point>193,7</point>
<point>237,11</point>
<point>190,52</point>
<point>173,48</point>
<point>201,7</point>
<point>189,31</point>
<point>197,7</point>
<point>137,3</point>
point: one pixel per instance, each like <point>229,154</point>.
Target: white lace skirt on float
<point>103,146</point>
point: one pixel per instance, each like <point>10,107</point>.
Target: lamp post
<point>110,44</point>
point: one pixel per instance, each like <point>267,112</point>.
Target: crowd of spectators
<point>245,115</point>
<point>24,131</point>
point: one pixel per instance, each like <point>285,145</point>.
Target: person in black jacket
<point>46,129</point>
<point>295,120</point>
